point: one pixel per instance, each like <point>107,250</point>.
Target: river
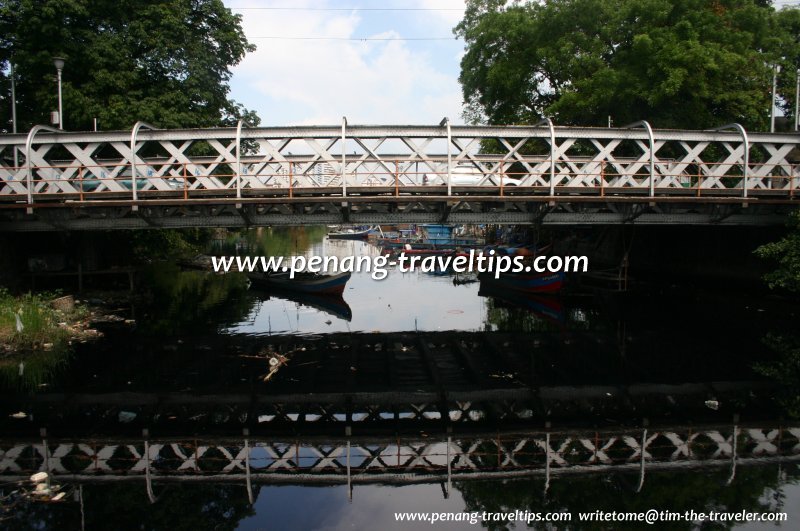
<point>421,393</point>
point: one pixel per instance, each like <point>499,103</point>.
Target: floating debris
<point>18,415</point>
<point>712,404</point>
<point>39,477</point>
<point>126,416</point>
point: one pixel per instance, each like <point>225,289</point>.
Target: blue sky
<point>304,82</point>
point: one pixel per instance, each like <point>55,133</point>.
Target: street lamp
<point>59,64</point>
<point>14,109</point>
<point>775,71</point>
<point>797,101</point>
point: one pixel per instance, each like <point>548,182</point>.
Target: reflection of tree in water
<point>755,489</point>
<point>270,241</point>
<point>185,301</point>
<point>785,370</point>
<point>125,506</point>
<point>40,368</point>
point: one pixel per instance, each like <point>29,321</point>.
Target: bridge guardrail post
<point>344,156</point>
<point>238,176</point>
<point>446,123</point>
<point>28,166</point>
<point>745,155</point>
<point>552,129</point>
<point>646,125</point>
<point>134,176</point>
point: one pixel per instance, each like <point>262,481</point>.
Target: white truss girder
<point>97,165</point>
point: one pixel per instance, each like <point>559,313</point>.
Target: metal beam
<point>134,182</point>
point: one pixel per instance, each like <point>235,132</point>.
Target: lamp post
<point>775,71</point>
<point>14,111</point>
<point>59,64</point>
<point>797,101</point>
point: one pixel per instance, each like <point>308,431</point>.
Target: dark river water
<point>419,393</point>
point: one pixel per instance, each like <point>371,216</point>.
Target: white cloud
<point>448,12</point>
<point>370,82</point>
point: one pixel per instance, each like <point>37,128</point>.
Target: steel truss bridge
<point>239,176</point>
<point>434,458</point>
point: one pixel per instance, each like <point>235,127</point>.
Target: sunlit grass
<point>28,322</point>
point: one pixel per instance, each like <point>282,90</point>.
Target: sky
<point>312,66</point>
<point>302,81</point>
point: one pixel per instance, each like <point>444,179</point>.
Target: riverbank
<point>42,322</point>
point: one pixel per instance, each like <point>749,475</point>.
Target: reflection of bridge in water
<point>400,460</point>
<point>388,408</point>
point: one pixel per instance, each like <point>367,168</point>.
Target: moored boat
<point>529,282</point>
<point>302,282</point>
<point>351,234</point>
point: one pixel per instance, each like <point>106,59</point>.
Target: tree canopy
<point>676,63</point>
<point>786,253</point>
<point>167,63</point>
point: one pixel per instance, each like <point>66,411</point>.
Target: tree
<point>167,63</point>
<point>786,252</point>
<point>681,63</point>
<point>788,21</point>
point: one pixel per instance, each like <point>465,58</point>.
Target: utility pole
<point>797,101</point>
<point>776,69</point>
<point>14,111</point>
<point>58,62</point>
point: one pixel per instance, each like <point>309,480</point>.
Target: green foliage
<point>168,243</point>
<point>786,252</point>
<point>126,60</point>
<point>685,63</point>
<point>39,321</point>
<point>41,349</point>
<point>788,26</point>
<point>785,370</point>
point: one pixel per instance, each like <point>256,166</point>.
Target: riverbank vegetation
<point>39,322</point>
<point>785,370</point>
<point>785,253</point>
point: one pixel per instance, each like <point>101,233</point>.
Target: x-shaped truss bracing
<point>198,163</point>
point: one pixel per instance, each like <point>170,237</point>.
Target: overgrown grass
<point>38,319</point>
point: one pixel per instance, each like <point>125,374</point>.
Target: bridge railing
<point>223,162</point>
<point>199,179</point>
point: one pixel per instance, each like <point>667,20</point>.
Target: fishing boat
<point>351,234</point>
<point>412,251</point>
<point>529,282</point>
<point>302,282</point>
